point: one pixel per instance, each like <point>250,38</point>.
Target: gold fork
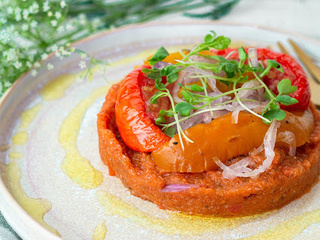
<point>313,72</point>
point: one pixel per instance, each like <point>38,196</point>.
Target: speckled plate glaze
<point>53,184</point>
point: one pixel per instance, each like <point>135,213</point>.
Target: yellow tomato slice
<point>224,140</point>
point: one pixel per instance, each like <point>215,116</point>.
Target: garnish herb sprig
<point>195,97</point>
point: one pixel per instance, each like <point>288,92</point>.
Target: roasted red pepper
<point>292,71</point>
<point>135,114</point>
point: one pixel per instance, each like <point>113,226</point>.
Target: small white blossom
<point>11,54</point>
<point>54,23</point>
<point>82,64</point>
<point>54,48</point>
<point>34,72</point>
<point>82,19</point>
<point>25,14</point>
<point>63,4</point>
<point>37,65</point>
<point>24,27</point>
<point>44,56</point>
<point>17,13</point>
<point>17,64</point>
<point>58,15</point>
<point>28,64</point>
<point>34,8</point>
<point>83,55</point>
<point>50,66</point>
<point>34,24</point>
<point>60,29</point>
<point>45,6</point>
<point>69,27</point>
<point>4,36</point>
<point>9,10</point>
<point>50,14</point>
<point>7,84</point>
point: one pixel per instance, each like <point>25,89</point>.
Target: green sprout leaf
<point>194,88</point>
<point>156,96</point>
<point>184,109</point>
<point>286,100</point>
<point>242,54</point>
<point>170,131</point>
<point>221,43</point>
<point>159,120</point>
<point>285,87</point>
<point>277,114</point>
<point>271,64</point>
<point>161,54</point>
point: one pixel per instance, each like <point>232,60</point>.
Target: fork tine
<point>282,48</point>
<point>312,68</point>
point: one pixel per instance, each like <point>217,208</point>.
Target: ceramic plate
<point>53,184</point>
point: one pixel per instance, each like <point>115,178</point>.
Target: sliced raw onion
<point>178,187</point>
<point>289,138</point>
<point>241,168</point>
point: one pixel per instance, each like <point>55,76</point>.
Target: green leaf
<point>195,88</point>
<point>184,109</point>
<point>278,114</point>
<point>242,54</point>
<point>208,38</point>
<point>156,96</point>
<point>161,54</point>
<point>188,96</point>
<point>221,43</point>
<point>286,100</point>
<point>285,87</point>
<point>271,64</point>
<point>160,120</point>
<point>170,131</point>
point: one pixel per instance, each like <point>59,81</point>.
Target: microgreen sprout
<point>194,96</point>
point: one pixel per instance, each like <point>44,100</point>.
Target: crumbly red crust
<point>287,179</point>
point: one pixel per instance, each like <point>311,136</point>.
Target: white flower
<point>69,27</point>
<point>45,6</point>
<point>44,56</point>
<point>4,36</point>
<point>25,27</point>
<point>33,24</point>
<point>25,14</point>
<point>63,4</point>
<point>17,64</point>
<point>7,84</point>
<point>50,14</point>
<point>9,10</point>
<point>54,48</point>
<point>58,15</point>
<point>37,65</point>
<point>17,13</point>
<point>34,8</point>
<point>50,66</point>
<point>83,55</point>
<point>11,54</point>
<point>34,72</point>
<point>54,23</point>
<point>82,64</point>
<point>60,29</point>
<point>28,64</point>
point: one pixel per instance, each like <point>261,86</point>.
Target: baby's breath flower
<point>17,13</point>
<point>60,29</point>
<point>63,4</point>
<point>33,24</point>
<point>44,56</point>
<point>34,8</point>
<point>4,36</point>
<point>54,23</point>
<point>25,27</point>
<point>34,72</point>
<point>69,27</point>
<point>49,14</point>
<point>50,66</point>
<point>82,64</point>
<point>9,10</point>
<point>58,15</point>
<point>17,65</point>
<point>45,6</point>
<point>25,14</point>
<point>54,48</point>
